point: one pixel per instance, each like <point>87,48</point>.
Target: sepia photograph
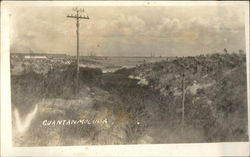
<point>127,75</point>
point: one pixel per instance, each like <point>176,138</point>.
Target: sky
<point>129,30</point>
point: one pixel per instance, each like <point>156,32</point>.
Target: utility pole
<point>183,100</point>
<point>78,17</point>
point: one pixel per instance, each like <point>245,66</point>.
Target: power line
<point>78,17</point>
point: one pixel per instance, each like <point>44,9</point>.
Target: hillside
<point>215,93</point>
<point>141,104</point>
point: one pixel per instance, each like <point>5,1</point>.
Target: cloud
<point>168,24</point>
<point>129,30</point>
<point>119,25</point>
<point>121,29</point>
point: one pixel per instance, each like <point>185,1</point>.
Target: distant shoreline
<point>63,54</point>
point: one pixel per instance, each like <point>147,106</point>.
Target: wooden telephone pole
<point>78,17</point>
<point>183,99</point>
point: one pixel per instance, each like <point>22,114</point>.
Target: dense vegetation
<point>215,102</point>
<point>215,97</point>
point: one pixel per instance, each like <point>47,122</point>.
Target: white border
<point>248,65</point>
<point>124,3</point>
<point>196,149</point>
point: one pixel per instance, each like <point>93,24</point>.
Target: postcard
<point>128,78</point>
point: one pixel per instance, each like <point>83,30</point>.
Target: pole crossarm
<point>79,17</point>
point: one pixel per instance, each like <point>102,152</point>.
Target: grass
<point>215,112</point>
